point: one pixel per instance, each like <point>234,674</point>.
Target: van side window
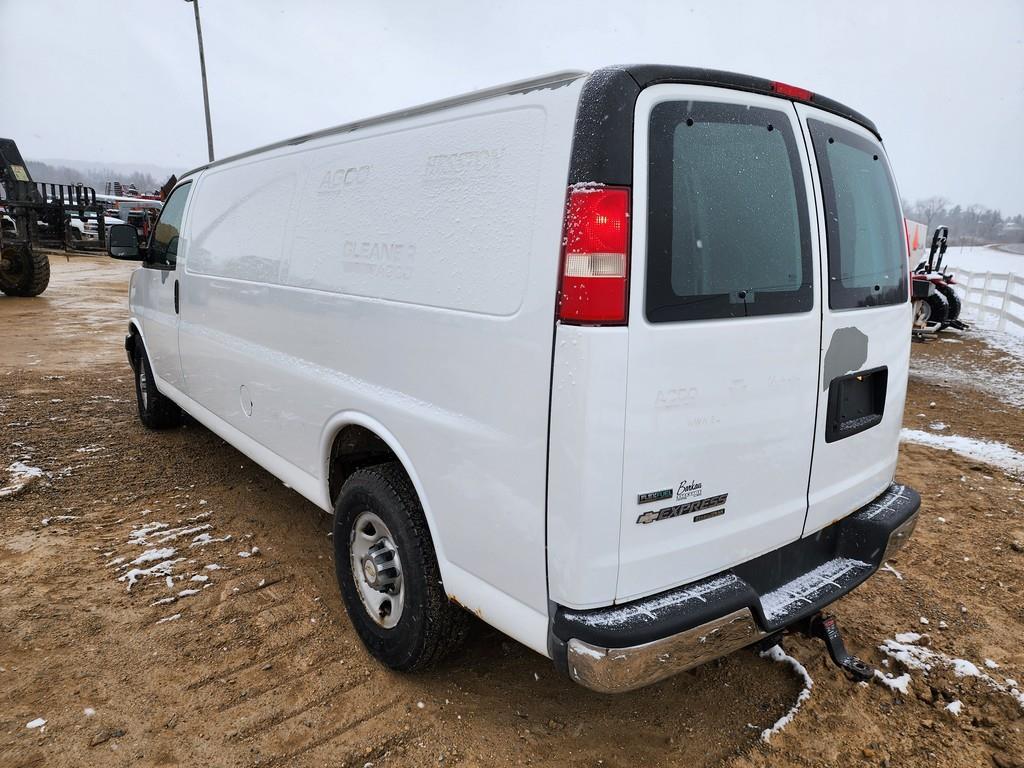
<point>864,225</point>
<point>163,247</point>
<point>728,228</point>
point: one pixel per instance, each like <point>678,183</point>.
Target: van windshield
<point>728,231</point>
<point>864,224</point>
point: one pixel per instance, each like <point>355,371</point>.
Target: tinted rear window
<point>864,224</point>
<point>728,231</point>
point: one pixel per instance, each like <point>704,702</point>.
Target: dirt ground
<point>254,663</point>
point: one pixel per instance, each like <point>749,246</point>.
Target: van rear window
<point>864,224</point>
<point>728,229</point>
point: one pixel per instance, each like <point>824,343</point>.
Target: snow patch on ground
<point>158,551</point>
<point>996,454</point>
<point>903,649</point>
<point>153,554</point>
<point>22,476</point>
<point>893,571</point>
<point>133,575</point>
<point>204,538</point>
<point>901,683</point>
<point>775,653</point>
<point>1007,386</point>
<point>955,707</point>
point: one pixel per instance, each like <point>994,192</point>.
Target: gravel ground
<point>253,662</point>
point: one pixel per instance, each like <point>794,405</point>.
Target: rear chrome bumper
<point>616,670</point>
<point>624,647</point>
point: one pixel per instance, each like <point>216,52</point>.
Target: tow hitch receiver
<point>824,626</point>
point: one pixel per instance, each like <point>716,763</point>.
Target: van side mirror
<point>123,243</point>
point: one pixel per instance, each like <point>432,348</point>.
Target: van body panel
<point>587,487</point>
<point>849,472</point>
<point>718,407</point>
<point>155,292</point>
<point>588,391</point>
<point>407,272</point>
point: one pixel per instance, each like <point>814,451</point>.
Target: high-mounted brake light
<point>792,91</point>
<point>595,257</point>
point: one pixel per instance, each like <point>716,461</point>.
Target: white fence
<point>992,294</point>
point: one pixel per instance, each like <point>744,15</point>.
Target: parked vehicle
<point>550,353</point>
<point>942,306</point>
<point>85,225</point>
<point>929,307</point>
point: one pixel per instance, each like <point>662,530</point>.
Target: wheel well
<point>131,343</point>
<point>354,447</point>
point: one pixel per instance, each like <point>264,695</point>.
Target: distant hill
<point>145,177</point>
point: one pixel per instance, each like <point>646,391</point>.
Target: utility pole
<point>202,69</point>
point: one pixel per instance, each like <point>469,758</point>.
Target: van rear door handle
<point>175,297</point>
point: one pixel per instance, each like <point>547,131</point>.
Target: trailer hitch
<point>824,627</point>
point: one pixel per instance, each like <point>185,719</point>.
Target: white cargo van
<point>615,361</point>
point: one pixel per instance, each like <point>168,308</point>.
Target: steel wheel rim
<point>377,569</point>
<point>143,385</point>
<point>924,312</point>
<point>12,265</point>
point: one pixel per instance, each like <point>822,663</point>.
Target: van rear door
<point>724,328</point>
<point>866,318</point>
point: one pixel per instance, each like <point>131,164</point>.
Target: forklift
<point>38,215</point>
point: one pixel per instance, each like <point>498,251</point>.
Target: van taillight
<point>595,257</point>
<point>910,266</point>
<point>792,91</point>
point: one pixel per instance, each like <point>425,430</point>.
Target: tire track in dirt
<point>73,637</point>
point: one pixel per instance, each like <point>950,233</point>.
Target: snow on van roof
<point>552,80</point>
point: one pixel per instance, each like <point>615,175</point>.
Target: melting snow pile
<point>904,649</point>
<point>164,548</point>
<point>22,476</point>
<point>997,454</point>
<point>901,683</point>
<point>775,653</point>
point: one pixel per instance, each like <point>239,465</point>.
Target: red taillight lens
<point>595,258</point>
<point>792,91</point>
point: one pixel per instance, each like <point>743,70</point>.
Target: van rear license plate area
<point>855,402</point>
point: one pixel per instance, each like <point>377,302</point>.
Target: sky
<point>118,80</point>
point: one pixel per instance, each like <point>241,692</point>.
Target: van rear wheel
<point>388,574</point>
<point>155,410</point>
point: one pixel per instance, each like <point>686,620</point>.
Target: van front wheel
<point>388,574</point>
<point>155,410</point>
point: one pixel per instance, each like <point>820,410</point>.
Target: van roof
<point>605,114</point>
<point>607,100</point>
<point>553,80</point>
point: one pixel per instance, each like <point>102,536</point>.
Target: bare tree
<point>931,209</point>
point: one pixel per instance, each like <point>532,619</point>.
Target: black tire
<point>939,307</point>
<point>952,300</point>
<point>429,626</point>
<point>24,272</point>
<point>155,410</point>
